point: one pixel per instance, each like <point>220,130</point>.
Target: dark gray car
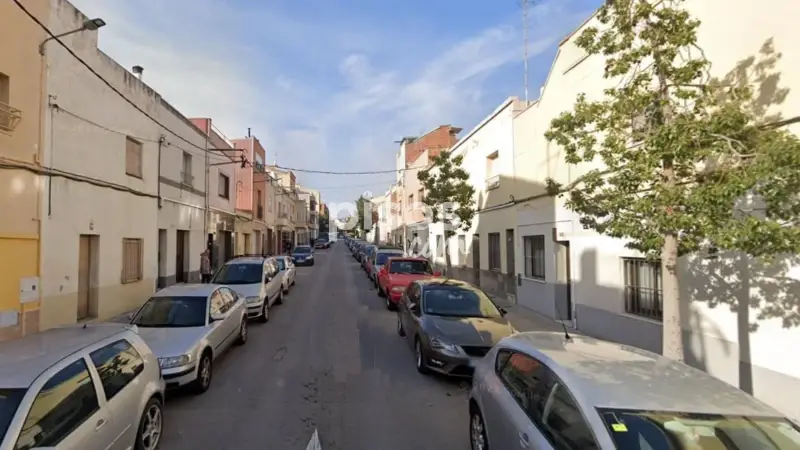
<point>451,325</point>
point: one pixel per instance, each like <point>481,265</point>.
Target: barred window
<point>494,251</point>
<point>533,247</point>
<point>132,256</point>
<point>643,290</point>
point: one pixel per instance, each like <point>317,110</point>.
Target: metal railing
<point>9,117</point>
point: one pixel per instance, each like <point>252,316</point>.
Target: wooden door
<point>84,276</point>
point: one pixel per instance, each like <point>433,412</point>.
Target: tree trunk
<point>447,263</point>
<point>672,338</point>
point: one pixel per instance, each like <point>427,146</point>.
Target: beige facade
<point>21,99</point>
<point>99,235</point>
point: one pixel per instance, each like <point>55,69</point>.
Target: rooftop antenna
<point>248,131</point>
<point>525,45</point>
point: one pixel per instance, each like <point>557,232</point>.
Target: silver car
<point>91,387</point>
<point>546,390</point>
<point>257,280</point>
<point>188,326</point>
<point>286,271</point>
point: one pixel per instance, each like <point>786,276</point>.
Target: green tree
<point>360,213</point>
<point>681,153</point>
<point>323,224</point>
<point>449,196</point>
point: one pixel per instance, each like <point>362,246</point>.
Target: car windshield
<point>411,267</point>
<point>244,273</point>
<point>9,401</point>
<point>635,430</point>
<point>302,250</point>
<point>384,256</point>
<point>281,264</point>
<point>456,301</point>
<point>172,312</point>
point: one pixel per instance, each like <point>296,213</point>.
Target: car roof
<point>247,260</point>
<point>23,360</point>
<point>444,281</point>
<point>612,375</point>
<point>389,250</point>
<point>187,290</point>
<point>302,246</point>
<point>409,258</point>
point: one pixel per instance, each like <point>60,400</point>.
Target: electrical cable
<point>368,172</point>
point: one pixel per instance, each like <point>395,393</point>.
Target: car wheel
<point>151,425</point>
<point>389,305</point>
<point>279,300</point>
<point>204,374</point>
<point>380,291</point>
<point>420,358</point>
<point>285,288</point>
<point>293,282</point>
<point>400,331</point>
<point>242,339</point>
<point>477,431</point>
<point>264,317</point>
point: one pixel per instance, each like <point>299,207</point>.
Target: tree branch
<point>780,123</point>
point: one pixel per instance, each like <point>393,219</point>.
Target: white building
<point>99,233</point>
<point>571,273</point>
<point>181,215</point>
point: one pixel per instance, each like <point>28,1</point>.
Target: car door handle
<point>100,424</point>
<point>523,440</point>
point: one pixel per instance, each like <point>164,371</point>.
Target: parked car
<point>322,244</point>
<point>257,280</point>
<point>286,272</point>
<point>188,326</point>
<point>303,255</point>
<point>451,325</point>
<point>365,254</point>
<point>398,273</point>
<point>96,386</point>
<point>378,260</point>
<point>545,390</point>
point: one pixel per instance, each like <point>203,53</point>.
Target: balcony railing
<point>493,182</point>
<point>9,117</point>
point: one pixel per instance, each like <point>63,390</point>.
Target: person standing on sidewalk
<point>205,266</point>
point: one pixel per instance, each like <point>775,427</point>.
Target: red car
<point>398,273</point>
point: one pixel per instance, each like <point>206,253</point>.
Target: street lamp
<point>88,25</point>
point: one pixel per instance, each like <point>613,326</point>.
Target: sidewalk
<point>524,319</point>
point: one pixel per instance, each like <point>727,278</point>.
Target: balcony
<point>9,117</point>
<point>283,220</point>
<point>493,182</point>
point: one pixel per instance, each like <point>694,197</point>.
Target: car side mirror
<point>216,317</point>
<point>437,273</point>
<point>503,311</point>
<point>130,317</point>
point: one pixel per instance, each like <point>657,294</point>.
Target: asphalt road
<point>329,360</point>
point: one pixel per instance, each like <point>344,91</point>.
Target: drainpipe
<point>161,141</point>
<point>208,171</point>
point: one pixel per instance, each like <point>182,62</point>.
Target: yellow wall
<point>19,189</point>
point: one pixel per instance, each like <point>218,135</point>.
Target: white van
<point>255,278</point>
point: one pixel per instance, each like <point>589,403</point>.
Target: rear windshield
<point>302,250</point>
<point>172,312</point>
<point>653,430</point>
<point>9,401</point>
<point>383,256</point>
<point>244,273</point>
<point>411,267</point>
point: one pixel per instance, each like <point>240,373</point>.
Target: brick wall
<point>443,137</point>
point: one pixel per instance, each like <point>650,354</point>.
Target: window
<point>421,194</point>
<point>118,364</point>
<point>462,250</point>
<point>133,157</point>
<point>491,162</point>
<point>65,402</point>
<point>565,425</point>
<point>229,297</point>
<point>259,205</point>
<point>411,201</point>
<point>5,88</point>
<point>132,256</point>
<point>494,251</point>
<point>186,175</point>
<point>642,294</point>
<point>527,380</point>
<point>476,251</point>
<point>224,187</point>
<point>439,246</point>
<point>533,247</point>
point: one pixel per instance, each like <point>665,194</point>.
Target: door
<point>87,276</point>
<point>511,270</point>
<point>272,280</point>
<point>162,258</point>
<point>476,259</point>
<point>408,317</point>
<point>233,313</point>
<point>180,257</point>
<point>563,304</point>
<point>216,305</point>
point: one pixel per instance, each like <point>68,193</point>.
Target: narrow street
<point>329,359</point>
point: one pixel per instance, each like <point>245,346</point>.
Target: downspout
<point>161,141</point>
<point>208,171</point>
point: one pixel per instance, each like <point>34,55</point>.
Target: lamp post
<point>88,25</point>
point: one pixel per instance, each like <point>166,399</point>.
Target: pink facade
<point>251,179</point>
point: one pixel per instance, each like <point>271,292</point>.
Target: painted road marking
<point>314,444</point>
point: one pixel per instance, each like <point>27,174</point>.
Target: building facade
<point>252,189</point>
<point>22,95</point>
<point>99,253</point>
<point>594,281</point>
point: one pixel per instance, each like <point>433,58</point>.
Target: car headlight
<point>255,299</point>
<point>439,344</point>
<point>398,288</point>
<point>310,256</point>
<point>169,362</point>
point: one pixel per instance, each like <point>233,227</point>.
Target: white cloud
<point>312,92</point>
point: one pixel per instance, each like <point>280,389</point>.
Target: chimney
<point>138,71</point>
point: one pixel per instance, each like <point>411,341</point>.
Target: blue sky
<point>331,85</point>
